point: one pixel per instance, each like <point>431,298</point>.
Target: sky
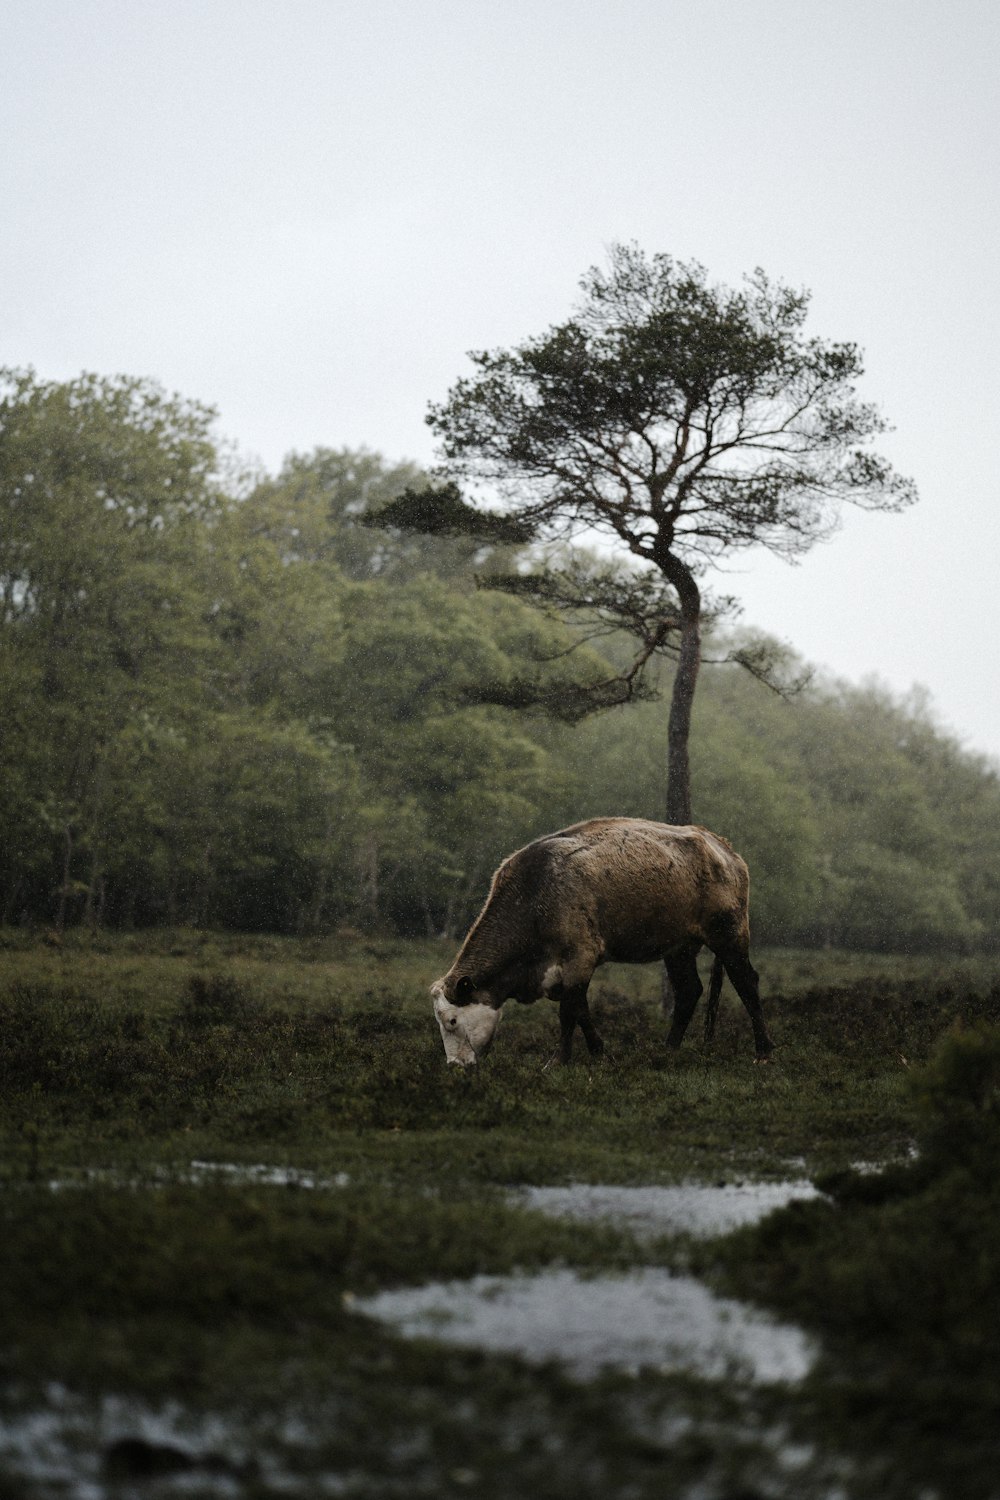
<point>306,212</point>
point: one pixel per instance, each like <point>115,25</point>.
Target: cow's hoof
<point>765,1058</point>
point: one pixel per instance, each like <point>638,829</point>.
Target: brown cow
<point>611,890</point>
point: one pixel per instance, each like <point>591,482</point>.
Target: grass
<point>899,1272</point>
<point>247,1048</point>
<point>124,1060</point>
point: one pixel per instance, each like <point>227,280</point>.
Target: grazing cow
<point>611,890</point>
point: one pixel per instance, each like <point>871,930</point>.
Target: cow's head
<point>467,1018</point>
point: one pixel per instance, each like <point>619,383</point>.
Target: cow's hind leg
<point>729,940</point>
<point>746,981</point>
<point>714,992</point>
<point>682,971</point>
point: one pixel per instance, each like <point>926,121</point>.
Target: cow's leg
<point>591,1035</point>
<point>682,970</point>
<point>574,1011</point>
<point>746,980</point>
<point>714,993</point>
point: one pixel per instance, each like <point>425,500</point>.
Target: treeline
<point>225,701</point>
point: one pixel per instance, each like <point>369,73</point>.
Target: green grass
<point>124,1060</point>
<point>264,1048</point>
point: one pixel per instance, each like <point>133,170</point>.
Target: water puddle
<point>77,1448</point>
<point>690,1208</point>
<point>202,1173</point>
<point>89,1448</point>
<point>261,1175</point>
<point>647,1317</point>
<point>631,1321</point>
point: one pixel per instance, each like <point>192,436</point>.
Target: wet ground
<point>78,1448</point>
<point>646,1318</point>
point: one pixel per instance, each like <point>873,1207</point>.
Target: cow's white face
<point>466,1030</point>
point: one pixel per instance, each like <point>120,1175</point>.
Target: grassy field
<point>132,1285</point>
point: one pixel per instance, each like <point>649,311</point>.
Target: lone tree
<point>685,421</point>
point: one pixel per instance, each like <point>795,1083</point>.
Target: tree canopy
<point>678,419</point>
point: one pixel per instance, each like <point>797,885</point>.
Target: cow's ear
<point>464,988</point>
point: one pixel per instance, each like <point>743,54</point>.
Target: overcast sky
<point>305,212</point>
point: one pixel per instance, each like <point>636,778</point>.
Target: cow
<point>609,890</point>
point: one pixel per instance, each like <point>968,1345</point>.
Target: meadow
<point>212,1144</point>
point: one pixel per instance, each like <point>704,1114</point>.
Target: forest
<point>260,751</point>
<point>228,702</point>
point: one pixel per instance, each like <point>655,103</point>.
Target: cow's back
<point>645,887</point>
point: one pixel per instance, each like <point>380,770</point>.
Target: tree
<point>444,793</point>
<point>681,420</point>
<point>319,506</point>
<point>108,493</point>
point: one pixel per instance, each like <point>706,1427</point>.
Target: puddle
<point>261,1175</point>
<point>200,1173</point>
<point>76,1448</point>
<point>690,1208</point>
<point>647,1317</point>
<point>639,1319</point>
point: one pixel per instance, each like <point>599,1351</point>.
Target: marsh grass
<point>257,1049</point>
<point>898,1270</point>
<point>122,1061</point>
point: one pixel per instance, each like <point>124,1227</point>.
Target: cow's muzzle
<point>466,1030</point>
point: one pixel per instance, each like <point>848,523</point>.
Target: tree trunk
<point>94,902</point>
<point>206,887</point>
<point>66,873</point>
<point>368,884</point>
<point>679,722</point>
<point>682,696</point>
<point>10,900</point>
<point>311,918</point>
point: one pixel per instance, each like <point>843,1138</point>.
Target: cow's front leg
<point>574,1011</point>
<point>591,1035</point>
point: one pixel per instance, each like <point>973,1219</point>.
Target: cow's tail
<point>714,991</point>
